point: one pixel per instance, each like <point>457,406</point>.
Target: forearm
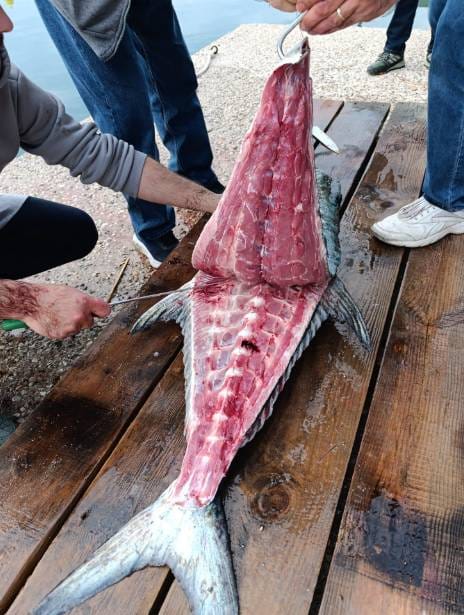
<point>18,299</point>
<point>159,185</point>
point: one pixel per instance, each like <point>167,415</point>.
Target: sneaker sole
<point>141,249</point>
<point>418,243</point>
<point>389,70</point>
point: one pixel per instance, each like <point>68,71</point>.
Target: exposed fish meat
<point>267,262</point>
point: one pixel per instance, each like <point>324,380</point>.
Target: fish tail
<point>340,305</point>
<point>193,542</point>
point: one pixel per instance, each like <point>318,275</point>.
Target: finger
<point>319,12</point>
<point>87,322</point>
<point>304,5</point>
<point>99,308</point>
<point>334,22</point>
<point>283,5</point>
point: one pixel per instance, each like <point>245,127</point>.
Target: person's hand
<point>58,311</point>
<point>284,5</point>
<point>322,16</point>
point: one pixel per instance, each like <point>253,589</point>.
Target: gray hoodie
<point>37,121</point>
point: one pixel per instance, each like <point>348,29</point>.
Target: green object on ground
<point>11,325</point>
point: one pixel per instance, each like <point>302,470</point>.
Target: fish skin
<point>185,528</point>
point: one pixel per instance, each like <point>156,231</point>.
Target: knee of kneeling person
<point>86,234</point>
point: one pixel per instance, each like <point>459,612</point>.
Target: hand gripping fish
<point>267,262</point>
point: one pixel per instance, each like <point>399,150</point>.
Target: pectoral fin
<point>169,308</point>
<point>341,307</point>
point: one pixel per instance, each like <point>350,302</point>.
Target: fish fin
<point>123,554</point>
<point>169,308</point>
<point>341,307</point>
<point>330,198</point>
<point>193,542</point>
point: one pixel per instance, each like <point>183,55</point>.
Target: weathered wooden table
<point>350,500</point>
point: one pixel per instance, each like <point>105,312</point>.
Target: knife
<point>324,138</point>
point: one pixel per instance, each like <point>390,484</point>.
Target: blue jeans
<point>400,27</point>
<point>444,178</point>
<point>150,78</point>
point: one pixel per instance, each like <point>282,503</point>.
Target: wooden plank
<point>283,496</point>
<point>129,464</point>
<point>55,453</point>
<point>401,544</point>
<point>356,117</point>
<point>58,450</point>
<point>325,111</point>
<point>140,468</point>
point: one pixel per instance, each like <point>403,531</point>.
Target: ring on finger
<point>340,14</point>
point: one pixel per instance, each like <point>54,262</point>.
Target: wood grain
<point>284,488</point>
<point>402,536</point>
<point>60,447</point>
<point>325,111</point>
<point>140,468</point>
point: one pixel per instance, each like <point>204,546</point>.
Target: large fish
<point>267,262</point>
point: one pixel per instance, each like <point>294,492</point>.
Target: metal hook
<point>280,43</point>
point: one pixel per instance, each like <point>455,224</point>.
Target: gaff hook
<point>297,49</point>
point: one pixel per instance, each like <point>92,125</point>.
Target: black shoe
<point>158,250</point>
<point>7,427</point>
<point>386,62</point>
<point>216,187</point>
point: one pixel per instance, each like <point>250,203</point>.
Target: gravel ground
<point>229,91</point>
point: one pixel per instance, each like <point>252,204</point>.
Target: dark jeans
<point>444,179</point>
<point>43,235</point>
<point>150,78</point>
<point>400,27</point>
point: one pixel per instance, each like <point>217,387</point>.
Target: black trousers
<point>43,235</point>
<point>400,27</point>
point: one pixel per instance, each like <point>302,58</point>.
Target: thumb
<point>99,307</point>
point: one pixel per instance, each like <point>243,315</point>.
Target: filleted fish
<point>267,263</point>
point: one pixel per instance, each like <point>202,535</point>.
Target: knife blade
<point>324,138</point>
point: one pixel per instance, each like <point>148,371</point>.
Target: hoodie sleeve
<point>48,131</point>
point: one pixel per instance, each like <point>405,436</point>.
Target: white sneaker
<point>418,224</point>
<point>142,248</point>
